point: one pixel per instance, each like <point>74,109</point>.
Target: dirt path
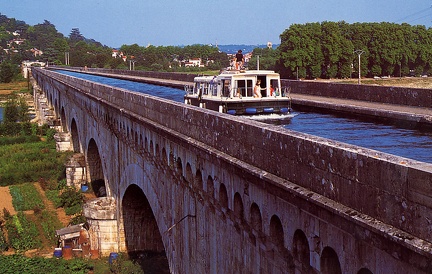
<point>64,219</point>
<point>6,200</point>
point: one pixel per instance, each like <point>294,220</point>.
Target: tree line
<point>332,49</point>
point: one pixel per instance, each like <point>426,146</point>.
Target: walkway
<point>398,112</point>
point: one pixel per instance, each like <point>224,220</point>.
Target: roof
<point>69,230</point>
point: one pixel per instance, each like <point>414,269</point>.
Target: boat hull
<point>238,106</point>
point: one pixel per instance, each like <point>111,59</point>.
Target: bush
<point>72,201</point>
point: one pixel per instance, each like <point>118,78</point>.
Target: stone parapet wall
<point>380,94</point>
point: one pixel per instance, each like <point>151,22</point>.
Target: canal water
<point>405,142</point>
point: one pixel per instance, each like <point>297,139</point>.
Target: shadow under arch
<point>75,137</point>
<point>142,235</point>
<point>95,170</point>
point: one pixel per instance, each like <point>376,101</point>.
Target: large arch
<point>330,262</point>
<point>95,170</point>
<point>75,137</point>
<point>142,234</point>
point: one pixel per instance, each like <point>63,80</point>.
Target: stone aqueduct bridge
<point>221,194</point>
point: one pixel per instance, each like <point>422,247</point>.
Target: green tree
<point>7,72</point>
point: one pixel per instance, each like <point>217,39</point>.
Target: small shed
<point>69,236</point>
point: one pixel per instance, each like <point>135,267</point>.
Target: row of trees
<point>327,50</point>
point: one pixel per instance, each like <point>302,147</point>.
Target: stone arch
<point>151,150</point>
<point>364,271</point>
<point>95,170</point>
<point>330,262</point>
<point>223,196</point>
<point>198,179</point>
<point>238,206</point>
<point>63,120</point>
<point>75,137</point>
<point>276,231</point>
<point>164,156</point>
<point>179,166</point>
<point>301,251</point>
<point>142,234</point>
<point>255,217</point>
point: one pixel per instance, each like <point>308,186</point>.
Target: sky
<point>186,22</point>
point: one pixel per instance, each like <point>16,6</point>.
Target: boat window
<point>276,88</point>
<point>226,86</point>
<point>249,88</point>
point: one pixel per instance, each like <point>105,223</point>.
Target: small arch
<point>364,271</point>
<point>256,219</point>
<point>301,249</point>
<point>223,196</point>
<point>145,144</point>
<point>330,262</point>
<point>198,179</point>
<point>164,156</point>
<point>276,231</point>
<point>238,206</point>
<point>151,150</point>
<point>179,165</point>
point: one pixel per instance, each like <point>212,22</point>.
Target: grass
<point>28,162</point>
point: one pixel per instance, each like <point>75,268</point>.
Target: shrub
<point>72,201</point>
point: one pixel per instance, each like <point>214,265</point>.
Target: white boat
<point>232,92</point>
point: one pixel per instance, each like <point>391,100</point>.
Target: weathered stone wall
<point>372,208</point>
<point>381,94</point>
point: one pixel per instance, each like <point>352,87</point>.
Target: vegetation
<point>327,50</point>
<point>28,162</point>
<point>26,197</point>
<point>21,264</point>
<point>22,233</point>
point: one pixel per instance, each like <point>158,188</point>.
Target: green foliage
<point>26,197</point>
<point>3,243</point>
<point>22,234</point>
<point>71,200</point>
<point>327,49</point>
<point>8,71</point>
<point>122,265</point>
<point>50,223</point>
<point>21,264</point>
<point>19,140</point>
<point>28,162</point>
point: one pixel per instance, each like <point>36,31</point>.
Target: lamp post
<point>359,52</point>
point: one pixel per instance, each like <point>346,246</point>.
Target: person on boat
<point>239,59</point>
<point>257,89</point>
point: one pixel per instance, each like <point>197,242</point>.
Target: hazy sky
<point>187,22</point>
